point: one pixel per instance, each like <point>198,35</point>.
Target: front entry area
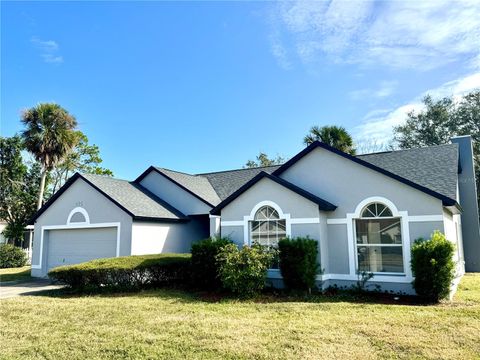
<point>73,246</point>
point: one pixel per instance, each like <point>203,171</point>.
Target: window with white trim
<point>267,228</point>
<point>379,240</point>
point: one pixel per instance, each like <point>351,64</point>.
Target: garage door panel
<point>73,246</point>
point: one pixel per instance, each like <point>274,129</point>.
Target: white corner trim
<point>231,223</point>
<point>75,226</point>
<point>81,211</point>
<point>210,216</point>
<point>424,218</point>
<point>376,278</point>
<point>305,221</point>
<point>337,221</point>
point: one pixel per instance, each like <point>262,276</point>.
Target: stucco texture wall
<point>345,183</point>
<point>99,209</point>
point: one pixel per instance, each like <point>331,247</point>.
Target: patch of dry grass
<point>173,324</point>
<point>15,274</point>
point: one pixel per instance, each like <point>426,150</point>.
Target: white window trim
<point>251,217</point>
<point>349,220</point>
<point>81,211</point>
<point>76,226</point>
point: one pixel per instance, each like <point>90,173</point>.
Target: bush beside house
<point>126,272</point>
<point>12,256</point>
<point>204,263</point>
<point>243,271</point>
<point>433,267</point>
<point>298,262</point>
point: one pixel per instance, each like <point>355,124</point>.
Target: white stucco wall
<point>100,210</point>
<point>453,233</point>
<point>158,237</point>
<point>345,183</point>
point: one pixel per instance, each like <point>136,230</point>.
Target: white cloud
<point>401,34</point>
<point>385,89</point>
<point>378,124</point>
<point>48,50</point>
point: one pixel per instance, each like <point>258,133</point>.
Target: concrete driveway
<point>30,287</point>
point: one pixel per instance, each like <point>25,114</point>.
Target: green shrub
<point>298,262</point>
<point>204,263</point>
<point>433,267</point>
<point>126,272</point>
<point>243,271</point>
<point>12,256</point>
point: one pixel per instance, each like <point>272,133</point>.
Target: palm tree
<point>335,136</point>
<point>49,135</point>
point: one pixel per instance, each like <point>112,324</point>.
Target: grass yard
<point>15,274</point>
<point>172,324</point>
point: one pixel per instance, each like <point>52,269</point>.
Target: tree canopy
<point>83,158</point>
<point>19,186</point>
<point>49,136</point>
<point>264,160</point>
<point>335,136</point>
<point>439,121</point>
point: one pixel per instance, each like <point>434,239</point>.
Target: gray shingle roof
<point>434,167</point>
<point>199,185</point>
<point>134,198</point>
<point>226,183</point>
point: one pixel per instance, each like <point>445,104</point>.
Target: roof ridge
<point>104,177</point>
<point>231,170</point>
<point>401,150</point>
<point>175,171</point>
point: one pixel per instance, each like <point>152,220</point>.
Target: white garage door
<point>73,246</point>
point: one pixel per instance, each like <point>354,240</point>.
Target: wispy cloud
<point>49,50</point>
<point>400,34</point>
<point>377,125</point>
<point>385,89</point>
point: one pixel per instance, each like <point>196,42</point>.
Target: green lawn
<point>15,274</point>
<point>173,324</point>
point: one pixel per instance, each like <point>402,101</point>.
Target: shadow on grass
<point>269,296</point>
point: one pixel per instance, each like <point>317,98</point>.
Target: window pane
<point>379,231</point>
<point>254,226</point>
<point>369,211</point>
<point>380,258</point>
<point>376,210</point>
<point>383,211</point>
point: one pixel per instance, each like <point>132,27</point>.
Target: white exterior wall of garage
<point>106,222</point>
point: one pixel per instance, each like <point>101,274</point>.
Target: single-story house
<point>365,211</point>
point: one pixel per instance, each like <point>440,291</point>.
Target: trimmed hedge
<point>205,267</point>
<point>298,262</point>
<point>433,267</point>
<point>126,272</point>
<point>12,256</point>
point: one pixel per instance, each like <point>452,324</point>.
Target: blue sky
<point>201,87</point>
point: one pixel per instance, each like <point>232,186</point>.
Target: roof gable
<point>446,200</point>
<point>132,198</point>
<point>225,183</point>
<point>322,204</point>
<point>195,185</point>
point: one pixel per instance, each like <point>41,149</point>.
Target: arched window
<point>267,228</point>
<point>78,216</point>
<point>379,240</point>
